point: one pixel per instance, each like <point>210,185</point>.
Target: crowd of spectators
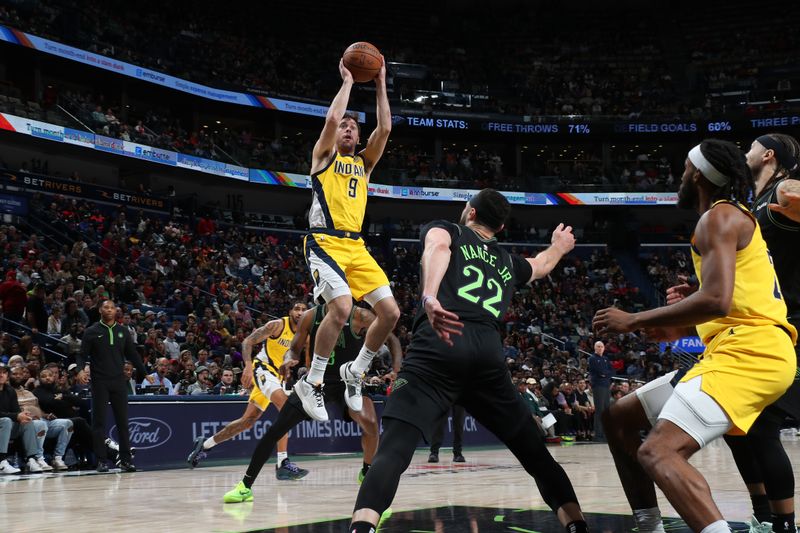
<point>668,267</point>
<point>190,293</point>
<point>601,60</point>
<point>157,126</point>
<point>740,56</point>
<point>404,163</point>
<point>475,168</point>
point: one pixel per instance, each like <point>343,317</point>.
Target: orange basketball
<point>363,60</point>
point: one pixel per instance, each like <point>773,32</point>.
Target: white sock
<point>648,520</point>
<point>362,362</point>
<point>209,443</point>
<point>317,371</point>
<point>282,456</point>
<point>720,526</point>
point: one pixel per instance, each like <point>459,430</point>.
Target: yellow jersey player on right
<point>337,258</point>
<point>740,314</point>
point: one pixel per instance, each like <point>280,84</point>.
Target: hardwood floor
<point>491,483</point>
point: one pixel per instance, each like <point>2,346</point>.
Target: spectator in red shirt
<point>205,227</point>
<point>13,297</point>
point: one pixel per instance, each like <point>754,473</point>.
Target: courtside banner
<point>687,344</point>
<point>28,40</point>
<point>619,198</point>
<point>163,429</point>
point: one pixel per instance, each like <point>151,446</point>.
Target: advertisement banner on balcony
<point>619,198</point>
<point>46,184</point>
<point>65,51</point>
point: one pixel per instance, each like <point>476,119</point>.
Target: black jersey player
<point>456,355</point>
<point>774,160</point>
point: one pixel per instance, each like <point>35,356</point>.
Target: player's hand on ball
<point>444,322</point>
<point>563,239</point>
<point>381,77</point>
<point>247,376</point>
<point>612,320</point>
<point>346,74</point>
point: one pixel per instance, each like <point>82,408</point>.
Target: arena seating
<point>149,265</point>
<point>601,61</point>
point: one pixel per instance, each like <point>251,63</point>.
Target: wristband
<point>425,298</point>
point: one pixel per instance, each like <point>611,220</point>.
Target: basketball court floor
<point>488,493</point>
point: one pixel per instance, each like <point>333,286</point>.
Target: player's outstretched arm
<point>270,329</point>
<point>380,136</point>
<point>327,139</point>
<point>716,238</point>
<point>435,260</point>
<point>561,243</point>
<point>788,200</point>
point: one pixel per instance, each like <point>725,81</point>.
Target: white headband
<point>701,163</point>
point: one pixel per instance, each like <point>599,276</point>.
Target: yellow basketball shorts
<point>265,383</point>
<point>745,369</point>
<point>342,266</point>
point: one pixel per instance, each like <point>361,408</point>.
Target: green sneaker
<point>361,476</point>
<point>386,515</point>
<point>239,494</point>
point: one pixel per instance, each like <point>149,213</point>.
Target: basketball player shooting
<point>336,255</point>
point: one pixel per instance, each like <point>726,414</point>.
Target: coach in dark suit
<point>600,372</point>
<point>105,347</point>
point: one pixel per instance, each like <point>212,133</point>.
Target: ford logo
<point>145,432</point>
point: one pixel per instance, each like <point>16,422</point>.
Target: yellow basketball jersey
<point>274,349</point>
<point>339,194</point>
<point>757,298</point>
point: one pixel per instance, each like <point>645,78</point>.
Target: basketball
<point>363,60</point>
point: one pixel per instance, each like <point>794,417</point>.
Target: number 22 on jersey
<point>492,288</point>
